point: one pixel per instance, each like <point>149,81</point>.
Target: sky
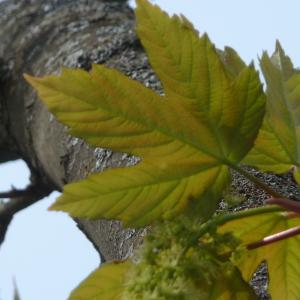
<point>44,252</point>
<point>248,26</point>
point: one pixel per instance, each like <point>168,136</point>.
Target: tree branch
<point>19,199</point>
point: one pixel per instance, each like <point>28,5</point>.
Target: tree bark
<point>40,37</point>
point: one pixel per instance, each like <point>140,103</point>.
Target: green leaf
<point>230,286</point>
<point>105,283</point>
<point>232,61</point>
<point>282,257</point>
<point>191,71</point>
<point>277,148</point>
<point>187,139</point>
<point>108,109</point>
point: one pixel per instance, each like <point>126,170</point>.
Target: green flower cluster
<point>170,265</point>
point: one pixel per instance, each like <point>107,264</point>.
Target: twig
<point>19,199</point>
<point>14,193</point>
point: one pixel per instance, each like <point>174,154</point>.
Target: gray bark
<point>38,38</point>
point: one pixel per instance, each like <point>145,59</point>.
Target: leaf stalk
<point>220,220</point>
<point>288,204</point>
<point>291,232</point>
<point>260,184</point>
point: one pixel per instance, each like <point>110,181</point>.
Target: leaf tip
<point>52,207</point>
<point>35,82</point>
<point>30,79</point>
<point>55,206</point>
<point>142,4</point>
<point>278,45</point>
<point>252,65</point>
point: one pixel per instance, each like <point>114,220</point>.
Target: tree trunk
<point>40,37</point>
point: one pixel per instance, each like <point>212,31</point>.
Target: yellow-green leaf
<point>184,68</point>
<point>177,64</point>
<point>232,61</point>
<point>230,285</point>
<point>140,194</point>
<point>187,139</point>
<point>282,257</point>
<point>108,109</point>
<point>193,75</point>
<point>105,283</point>
<point>277,148</point>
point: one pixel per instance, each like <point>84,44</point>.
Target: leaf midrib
<point>194,96</point>
<point>118,114</point>
<point>161,180</point>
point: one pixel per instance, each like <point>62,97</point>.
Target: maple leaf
<point>105,283</point>
<point>232,61</point>
<point>277,148</point>
<point>206,122</point>
<point>282,257</point>
<point>230,286</point>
